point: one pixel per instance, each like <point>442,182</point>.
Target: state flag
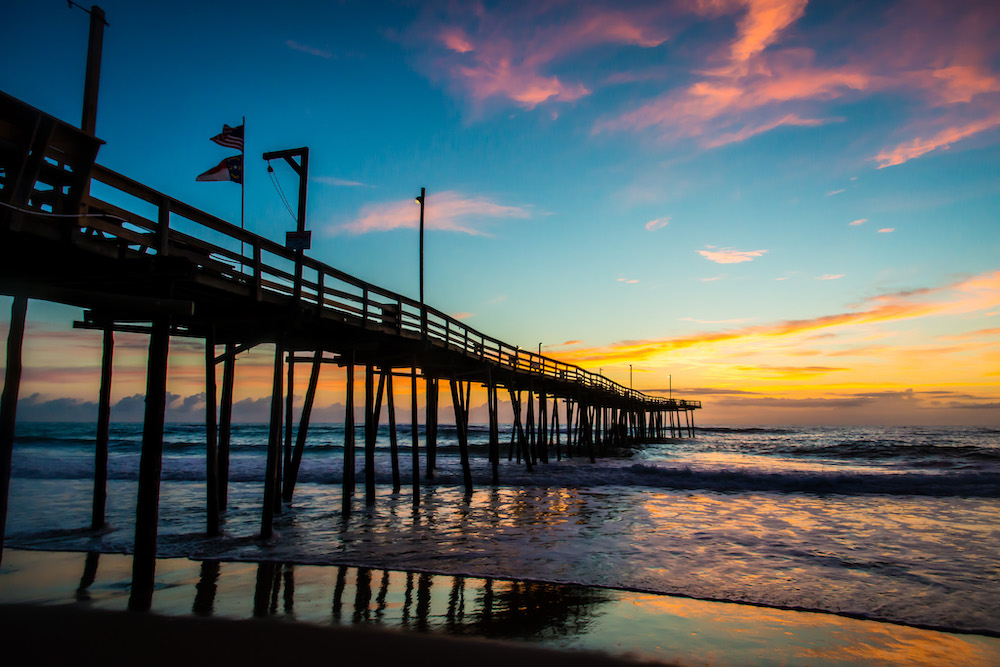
<point>230,169</point>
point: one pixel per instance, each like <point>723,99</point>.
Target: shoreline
<point>428,613</point>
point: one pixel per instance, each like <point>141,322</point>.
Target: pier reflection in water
<point>420,601</point>
<point>644,625</point>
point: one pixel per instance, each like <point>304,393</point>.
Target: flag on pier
<point>230,169</point>
<point>231,137</point>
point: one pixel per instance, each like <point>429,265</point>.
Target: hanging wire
<point>281,193</point>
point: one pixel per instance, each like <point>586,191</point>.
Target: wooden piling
<point>462,431</point>
<point>8,405</point>
<point>348,482</point>
<point>432,425</point>
<point>414,431</point>
<point>494,418</point>
<point>286,458</point>
<point>543,427</point>
<point>103,430</point>
<point>150,463</point>
<point>292,470</point>
<point>273,448</point>
<point>371,427</point>
<point>211,440</point>
<point>393,437</point>
<point>225,424</point>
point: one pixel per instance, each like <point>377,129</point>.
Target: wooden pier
<point>163,268</point>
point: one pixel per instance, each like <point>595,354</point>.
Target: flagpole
<point>243,186</point>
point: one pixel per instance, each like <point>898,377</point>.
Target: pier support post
<point>348,483</point>
<point>286,458</point>
<point>415,433</point>
<point>292,470</point>
<point>370,433</point>
<point>226,424</point>
<point>273,448</point>
<point>462,430</point>
<point>211,440</point>
<point>543,427</point>
<point>150,464</point>
<point>494,444</point>
<point>103,430</point>
<point>8,405</point>
<point>432,424</point>
<point>390,404</point>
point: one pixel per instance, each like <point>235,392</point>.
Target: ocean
<point>889,524</point>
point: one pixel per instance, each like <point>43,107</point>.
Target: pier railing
<point>263,269</point>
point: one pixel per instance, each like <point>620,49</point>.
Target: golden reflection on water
<point>639,624</point>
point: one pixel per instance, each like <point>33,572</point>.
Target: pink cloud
<point>658,223</point>
<point>943,139</point>
<point>510,53</point>
<point>831,276</point>
<point>446,211</point>
<point>729,255</point>
<point>859,221</point>
<point>887,230</point>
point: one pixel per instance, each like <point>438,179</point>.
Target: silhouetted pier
<point>137,260</point>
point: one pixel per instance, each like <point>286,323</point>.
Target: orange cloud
<point>943,139</point>
<point>729,255</point>
<point>859,221</point>
<point>506,54</point>
<point>447,211</point>
<point>978,293</point>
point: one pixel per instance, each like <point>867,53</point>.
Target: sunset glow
<point>787,210</point>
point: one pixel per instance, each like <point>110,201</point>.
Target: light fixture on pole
<point>423,311</point>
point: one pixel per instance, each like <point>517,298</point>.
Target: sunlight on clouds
<point>859,221</point>
<point>447,211</point>
<point>887,230</point>
<point>658,223</point>
<point>729,255</point>
<point>943,139</point>
<point>831,276</point>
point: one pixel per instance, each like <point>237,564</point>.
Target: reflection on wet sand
<point>561,616</point>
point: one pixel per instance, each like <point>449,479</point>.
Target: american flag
<point>231,137</point>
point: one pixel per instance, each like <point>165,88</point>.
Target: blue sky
<point>630,176</point>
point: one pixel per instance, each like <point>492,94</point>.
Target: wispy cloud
<point>942,139</point>
<point>831,276</point>
<point>859,221</point>
<point>447,211</point>
<point>462,316</point>
<point>734,321</point>
<point>340,182</point>
<point>729,255</point>
<point>973,295</point>
<point>627,281</point>
<point>835,192</point>
<point>658,223</point>
<point>887,230</point>
<point>511,53</point>
<point>292,44</point>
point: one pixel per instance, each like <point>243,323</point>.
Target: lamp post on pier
<point>423,310</point>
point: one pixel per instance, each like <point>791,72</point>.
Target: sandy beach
<point>72,607</point>
<point>55,635</point>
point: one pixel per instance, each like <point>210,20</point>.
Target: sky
<point>787,209</point>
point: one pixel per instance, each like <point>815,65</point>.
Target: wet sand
<point>71,607</point>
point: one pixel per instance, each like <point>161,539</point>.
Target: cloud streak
<point>512,54</point>
<point>972,295</point>
<point>730,255</point>
<point>447,211</point>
